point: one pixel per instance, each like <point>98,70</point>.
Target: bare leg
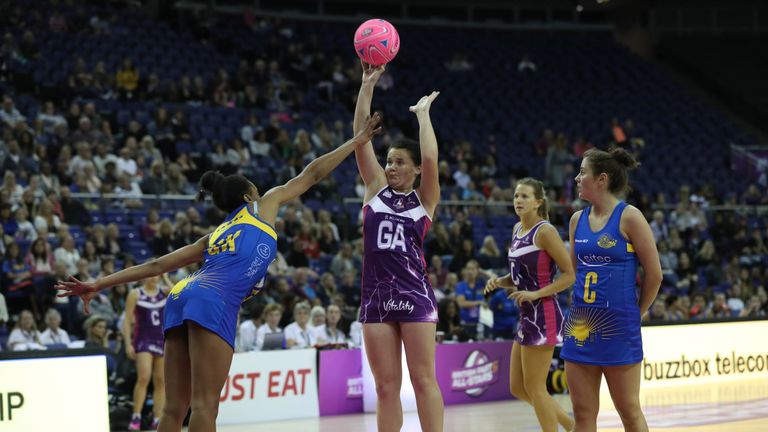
<point>179,379</point>
<point>143,372</point>
<point>158,385</point>
<point>419,341</point>
<point>383,348</point>
<point>624,385</point>
<point>536,361</point>
<point>584,386</point>
<point>210,357</point>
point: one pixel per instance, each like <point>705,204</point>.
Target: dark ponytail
<point>227,192</point>
<point>539,194</point>
<point>616,162</point>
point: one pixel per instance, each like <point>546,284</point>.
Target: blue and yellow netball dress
<point>235,265</point>
<point>603,324</point>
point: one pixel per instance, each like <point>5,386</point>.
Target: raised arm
<point>179,258</point>
<point>429,189</point>
<point>370,170</point>
<point>315,171</point>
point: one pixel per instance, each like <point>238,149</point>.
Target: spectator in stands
<point>92,257</point>
<point>25,335</point>
<point>9,115</point>
<point>753,308</point>
<point>469,293</point>
<point>53,334</point>
<point>246,332</point>
<point>450,321</point>
<point>659,227</point>
<point>297,334</point>
<point>505,315</point>
<point>113,242</point>
<point>97,332</point>
<point>46,220</point>
<point>316,317</point>
<point>326,288</point>
<point>329,331</point>
<point>687,277</point>
<point>163,241</point>
<point>8,220</point>
<point>67,254</point>
<point>41,264</point>
<point>719,307</point>
<point>699,308</point>
<point>154,182</point>
<point>272,314</point>
<point>658,311</point>
<point>463,255</point>
<point>11,187</point>
<point>489,255</point>
<point>74,211</point>
<point>127,80</point>
<point>25,231</point>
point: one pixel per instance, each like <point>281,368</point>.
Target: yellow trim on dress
<point>242,217</point>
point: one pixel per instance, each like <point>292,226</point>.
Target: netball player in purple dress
<point>534,256</point>
<point>398,305</point>
<point>143,335</point>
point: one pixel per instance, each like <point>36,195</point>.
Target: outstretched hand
<point>371,73</point>
<point>372,128</point>
<point>523,296</point>
<point>73,287</point>
<point>423,105</point>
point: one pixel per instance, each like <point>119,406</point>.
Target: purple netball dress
<point>395,285</point>
<point>148,323</point>
<point>531,269</point>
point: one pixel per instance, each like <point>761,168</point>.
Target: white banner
<point>704,353</point>
<point>56,393</point>
<point>270,385</point>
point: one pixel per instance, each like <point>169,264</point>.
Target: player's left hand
<point>423,105</point>
<point>86,291</point>
<point>523,296</point>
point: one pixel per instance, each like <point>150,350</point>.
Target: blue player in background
<point>201,310</point>
<point>602,333</point>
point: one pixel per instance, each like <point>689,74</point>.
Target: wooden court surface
<point>733,407</point>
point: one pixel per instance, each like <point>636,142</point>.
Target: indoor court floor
<point>729,407</point>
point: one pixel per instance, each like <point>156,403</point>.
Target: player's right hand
<point>130,352</point>
<point>371,73</point>
<point>491,285</point>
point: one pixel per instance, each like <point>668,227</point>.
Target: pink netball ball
<point>377,42</point>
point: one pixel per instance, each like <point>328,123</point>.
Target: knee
<point>142,380</point>
<point>423,382</point>
<point>629,412</point>
<point>177,412</point>
<point>535,389</point>
<point>518,390</point>
<point>584,412</point>
<point>208,405</point>
<point>388,387</point>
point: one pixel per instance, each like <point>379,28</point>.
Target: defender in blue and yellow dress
<point>236,261</point>
<point>201,310</point>
<point>603,326</point>
<point>609,239</point>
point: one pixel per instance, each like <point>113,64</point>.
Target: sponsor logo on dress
<point>398,204</point>
<point>263,250</point>
<point>391,305</point>
<point>581,240</point>
<point>594,260</point>
<point>605,241</point>
<point>387,194</point>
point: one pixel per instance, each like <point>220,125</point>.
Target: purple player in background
<point>398,305</point>
<point>143,335</point>
<point>534,256</point>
